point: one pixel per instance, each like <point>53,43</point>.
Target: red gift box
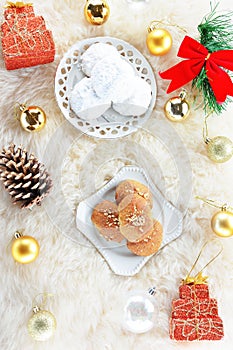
<point>194,291</point>
<point>13,13</point>
<point>25,40</point>
<point>24,25</point>
<point>196,329</point>
<point>189,308</point>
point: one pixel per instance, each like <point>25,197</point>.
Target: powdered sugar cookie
<point>105,218</point>
<point>150,244</point>
<point>138,102</point>
<point>85,103</point>
<point>111,77</point>
<point>94,54</point>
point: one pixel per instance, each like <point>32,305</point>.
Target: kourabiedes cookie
<point>135,217</point>
<point>94,54</point>
<point>150,244</point>
<point>85,103</point>
<point>112,78</point>
<point>133,187</point>
<point>105,219</point>
<point>138,102</point>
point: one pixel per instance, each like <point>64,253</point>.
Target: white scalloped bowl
<point>111,124</point>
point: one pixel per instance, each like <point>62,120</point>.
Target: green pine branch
<point>216,33</point>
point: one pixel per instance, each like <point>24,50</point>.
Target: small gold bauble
<point>159,41</point>
<point>25,249</point>
<point>222,223</point>
<point>96,11</point>
<point>177,109</point>
<point>32,118</point>
<point>220,149</point>
<point>42,325</point>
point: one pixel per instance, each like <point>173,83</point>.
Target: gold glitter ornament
<point>219,149</point>
<point>96,11</point>
<point>177,109</point>
<point>42,325</point>
<point>24,249</point>
<point>221,221</point>
<point>32,118</point>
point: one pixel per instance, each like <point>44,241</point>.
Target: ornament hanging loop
<point>154,25</point>
<point>206,137</point>
<point>36,306</point>
<point>215,204</point>
<point>199,278</point>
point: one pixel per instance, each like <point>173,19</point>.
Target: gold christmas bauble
<point>220,149</point>
<point>25,249</point>
<point>32,118</point>
<point>96,11</point>
<point>177,109</point>
<point>42,325</point>
<point>222,223</point>
<point>159,41</point>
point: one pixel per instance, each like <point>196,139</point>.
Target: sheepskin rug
<point>88,297</point>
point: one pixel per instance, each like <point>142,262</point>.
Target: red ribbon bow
<point>197,57</point>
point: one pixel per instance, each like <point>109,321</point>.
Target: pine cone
<point>24,177</point>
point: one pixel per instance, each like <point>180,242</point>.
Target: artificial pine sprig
<point>216,33</point>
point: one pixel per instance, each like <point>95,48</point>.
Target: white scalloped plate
<point>119,258</point>
<point>111,124</point>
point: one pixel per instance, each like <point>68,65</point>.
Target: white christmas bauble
<point>140,313</point>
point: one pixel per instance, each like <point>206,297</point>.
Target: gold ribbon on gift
<point>199,278</point>
<point>17,4</point>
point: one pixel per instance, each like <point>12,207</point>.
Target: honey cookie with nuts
<point>105,218</point>
<point>133,187</point>
<point>150,244</point>
<point>135,217</point>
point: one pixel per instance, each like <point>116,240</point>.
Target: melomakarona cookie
<point>135,217</point>
<point>105,219</point>
<point>133,187</point>
<point>150,244</point>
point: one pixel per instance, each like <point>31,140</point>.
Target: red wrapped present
<point>196,329</point>
<point>25,40</point>
<point>194,291</point>
<point>18,10</point>
<point>195,315</point>
<point>189,308</point>
<point>25,25</point>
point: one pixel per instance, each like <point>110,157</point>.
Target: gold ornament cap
<point>96,12</point>
<point>42,325</point>
<point>177,109</point>
<point>24,249</point>
<point>32,118</point>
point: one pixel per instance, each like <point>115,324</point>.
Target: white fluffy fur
<point>88,297</point>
